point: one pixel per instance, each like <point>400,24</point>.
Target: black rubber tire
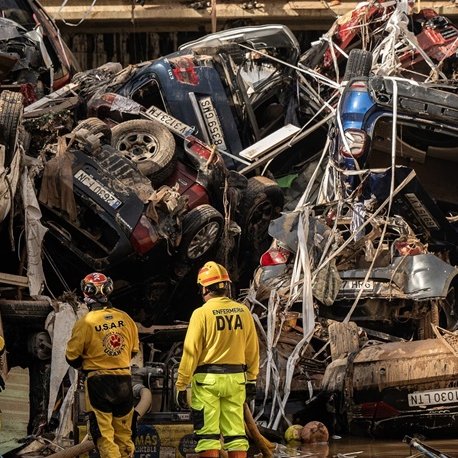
<point>149,145</point>
<point>95,126</point>
<point>263,201</point>
<point>202,228</point>
<point>11,110</point>
<point>359,63</point>
<point>25,312</point>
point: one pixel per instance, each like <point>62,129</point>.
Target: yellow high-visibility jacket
<point>103,339</point>
<point>222,331</point>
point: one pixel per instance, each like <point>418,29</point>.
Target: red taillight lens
<point>144,236</point>
<point>378,410</point>
<point>201,149</point>
<point>275,256</point>
<point>360,86</point>
<point>184,71</point>
<point>409,249</point>
<point>356,140</point>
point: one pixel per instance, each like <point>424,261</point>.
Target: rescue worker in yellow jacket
<point>221,361</point>
<point>103,343</point>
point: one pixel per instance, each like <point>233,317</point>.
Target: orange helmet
<point>96,285</point>
<point>212,273</point>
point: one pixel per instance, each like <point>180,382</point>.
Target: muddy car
<point>233,87</point>
<point>393,389</point>
<point>33,56</point>
<point>425,50</point>
<point>429,39</point>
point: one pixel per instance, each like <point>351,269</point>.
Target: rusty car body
<point>393,389</point>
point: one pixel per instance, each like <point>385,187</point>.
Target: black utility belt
<point>220,369</point>
<point>87,371</point>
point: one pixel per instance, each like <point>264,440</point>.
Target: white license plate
<point>98,189</point>
<point>214,128</point>
<point>356,285</point>
<point>173,124</point>
<point>433,397</point>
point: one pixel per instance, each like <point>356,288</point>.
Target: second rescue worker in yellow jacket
<point>221,361</point>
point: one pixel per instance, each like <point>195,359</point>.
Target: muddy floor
<point>359,447</point>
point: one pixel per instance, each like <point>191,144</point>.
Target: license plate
<point>173,124</point>
<point>356,285</point>
<point>214,128</point>
<point>433,397</point>
<point>98,189</point>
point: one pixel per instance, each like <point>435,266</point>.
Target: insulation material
<point>35,232</point>
<point>59,325</point>
<point>57,185</point>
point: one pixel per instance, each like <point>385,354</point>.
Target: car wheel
<point>11,110</point>
<point>149,145</point>
<point>202,227</point>
<point>95,126</point>
<point>359,63</point>
<point>263,202</point>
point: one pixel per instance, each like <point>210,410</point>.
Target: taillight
<point>184,71</point>
<point>355,146</point>
<point>275,256</point>
<point>378,410</point>
<point>409,248</point>
<point>201,149</point>
<point>144,236</point>
<point>360,86</point>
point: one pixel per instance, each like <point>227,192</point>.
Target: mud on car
<point>413,278</point>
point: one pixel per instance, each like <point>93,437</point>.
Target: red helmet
<point>96,285</point>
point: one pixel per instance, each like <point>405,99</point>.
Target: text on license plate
<point>357,285</point>
<point>433,397</point>
<point>214,128</point>
<point>173,124</point>
<point>98,189</point>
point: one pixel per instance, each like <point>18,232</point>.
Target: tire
<point>202,227</point>
<point>359,63</point>
<point>149,145</point>
<point>263,202</point>
<point>26,311</point>
<point>95,126</point>
<point>11,110</point>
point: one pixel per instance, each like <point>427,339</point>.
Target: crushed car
<point>33,56</point>
<point>393,389</point>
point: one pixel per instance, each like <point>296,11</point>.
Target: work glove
<point>2,384</point>
<point>250,391</point>
<point>182,399</point>
<point>134,424</point>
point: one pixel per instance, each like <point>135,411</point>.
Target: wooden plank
<point>16,280</point>
<point>343,339</point>
<point>160,11</point>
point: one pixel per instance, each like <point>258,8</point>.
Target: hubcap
<point>138,146</point>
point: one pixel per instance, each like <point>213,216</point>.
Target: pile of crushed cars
<point>146,172</point>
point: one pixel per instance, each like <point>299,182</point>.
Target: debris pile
<point>147,171</point>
